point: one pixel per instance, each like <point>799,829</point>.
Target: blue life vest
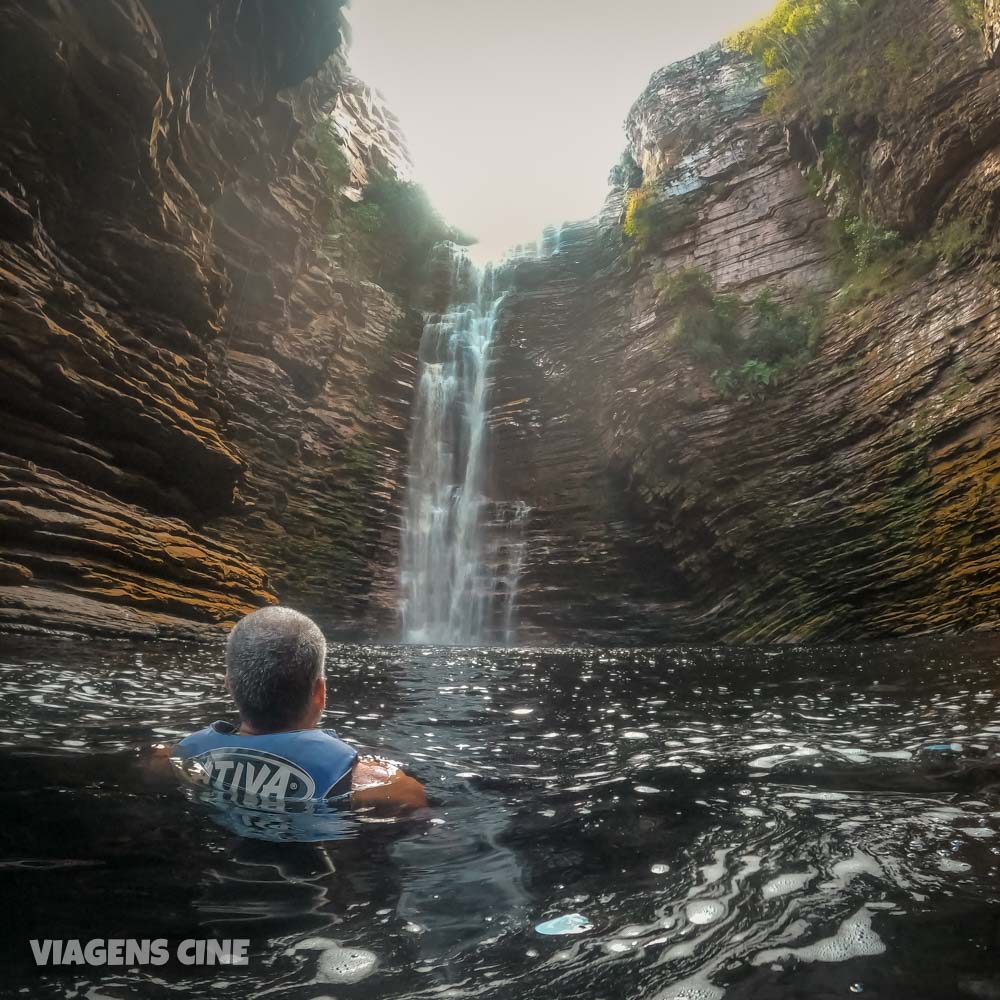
<point>298,766</point>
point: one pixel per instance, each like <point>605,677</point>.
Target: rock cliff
<point>859,497</point>
<point>208,366</point>
<point>204,388</point>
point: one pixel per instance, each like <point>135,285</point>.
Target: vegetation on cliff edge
<point>648,219</point>
<point>749,348</point>
<point>394,215</point>
<point>846,57</point>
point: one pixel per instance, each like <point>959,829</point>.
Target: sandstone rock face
<point>204,392</point>
<point>858,500</point>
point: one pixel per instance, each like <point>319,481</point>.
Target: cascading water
<point>455,591</point>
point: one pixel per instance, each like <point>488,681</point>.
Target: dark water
<point>762,823</point>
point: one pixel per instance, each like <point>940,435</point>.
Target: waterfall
<point>454,588</point>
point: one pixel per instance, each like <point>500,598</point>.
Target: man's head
<point>274,670</point>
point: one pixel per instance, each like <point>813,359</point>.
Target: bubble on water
<point>338,964</point>
<point>705,911</point>
<point>853,939</point>
<point>784,884</point>
<point>659,869</point>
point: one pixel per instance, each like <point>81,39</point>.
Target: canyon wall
<point>208,364</point>
<point>859,497</point>
<point>204,388</point>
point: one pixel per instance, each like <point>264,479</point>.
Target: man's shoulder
<point>299,764</point>
<point>197,741</point>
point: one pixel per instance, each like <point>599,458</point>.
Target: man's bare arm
<point>381,783</point>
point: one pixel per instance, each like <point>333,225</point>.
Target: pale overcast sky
<point>513,109</point>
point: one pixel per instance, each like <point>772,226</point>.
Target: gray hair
<point>273,658</point>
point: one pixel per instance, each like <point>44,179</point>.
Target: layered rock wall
<point>204,390</point>
<point>860,498</point>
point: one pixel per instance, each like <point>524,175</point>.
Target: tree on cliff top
<point>400,215</point>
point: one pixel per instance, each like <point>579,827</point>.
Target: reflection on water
<point>681,822</point>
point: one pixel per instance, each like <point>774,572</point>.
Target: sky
<point>513,109</point>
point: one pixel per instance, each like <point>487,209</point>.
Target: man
<point>275,754</point>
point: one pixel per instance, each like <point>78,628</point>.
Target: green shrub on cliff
<point>784,41</point>
<point>970,14</point>
<point>368,217</point>
<point>867,242</point>
<point>647,220</point>
<point>706,324</point>
<point>689,285</point>
<point>641,216</point>
<point>749,347</point>
<point>400,217</point>
<point>847,57</point>
<point>954,240</point>
<point>753,379</point>
<point>878,263</point>
<point>626,172</point>
<point>780,333</point>
<point>330,158</point>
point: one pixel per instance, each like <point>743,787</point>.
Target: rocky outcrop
<point>204,388</point>
<point>860,498</point>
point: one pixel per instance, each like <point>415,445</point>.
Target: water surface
<point>712,822</point>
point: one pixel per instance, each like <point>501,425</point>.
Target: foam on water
<point>948,865</point>
<point>854,937</point>
<point>695,988</point>
<point>784,884</point>
<point>705,911</point>
<point>338,964</point>
<point>857,864</point>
